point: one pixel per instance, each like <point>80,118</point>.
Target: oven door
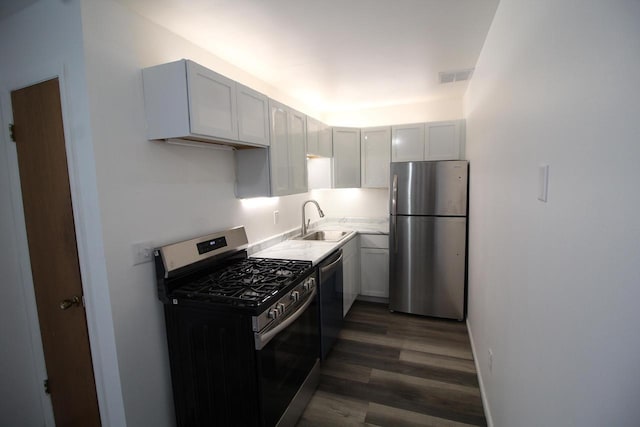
<point>286,355</point>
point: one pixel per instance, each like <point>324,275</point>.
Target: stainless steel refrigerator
<point>428,238</point>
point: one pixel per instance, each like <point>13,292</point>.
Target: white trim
<point>86,212</point>
<point>483,393</point>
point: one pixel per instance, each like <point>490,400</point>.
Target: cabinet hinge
<point>12,134</point>
<point>46,386</point>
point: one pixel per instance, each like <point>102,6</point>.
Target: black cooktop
<point>249,282</point>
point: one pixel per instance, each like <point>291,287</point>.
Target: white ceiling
<point>337,54</point>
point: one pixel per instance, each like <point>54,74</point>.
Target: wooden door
<point>53,253</point>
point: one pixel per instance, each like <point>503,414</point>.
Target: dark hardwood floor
<point>393,369</point>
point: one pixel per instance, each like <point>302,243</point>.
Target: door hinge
<point>46,386</point>
<point>12,134</point>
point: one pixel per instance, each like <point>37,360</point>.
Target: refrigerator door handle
<point>394,212</point>
<point>394,196</point>
<point>394,224</point>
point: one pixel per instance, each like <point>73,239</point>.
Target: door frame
<point>88,228</point>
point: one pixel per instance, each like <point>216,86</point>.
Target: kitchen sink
<point>325,235</point>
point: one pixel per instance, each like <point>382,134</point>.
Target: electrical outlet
<point>142,252</point>
<point>276,217</point>
<point>490,360</point>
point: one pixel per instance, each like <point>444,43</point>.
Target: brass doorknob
<point>65,304</point>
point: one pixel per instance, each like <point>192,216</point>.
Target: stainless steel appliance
<point>331,294</point>
<point>427,238</point>
<point>242,332</point>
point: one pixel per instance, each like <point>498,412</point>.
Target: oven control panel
<point>285,305</point>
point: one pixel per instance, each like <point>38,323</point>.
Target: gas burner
<point>283,273</point>
<point>248,282</point>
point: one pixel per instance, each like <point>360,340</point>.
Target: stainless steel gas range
<point>242,332</point>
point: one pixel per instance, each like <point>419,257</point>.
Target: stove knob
<point>312,283</point>
<point>281,307</point>
<point>273,313</point>
<point>295,296</point>
<point>305,286</point>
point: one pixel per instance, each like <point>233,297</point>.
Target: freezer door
<point>427,266</point>
<point>429,188</point>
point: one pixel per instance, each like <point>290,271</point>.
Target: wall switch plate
<point>276,217</point>
<point>543,182</point>
<point>142,252</point>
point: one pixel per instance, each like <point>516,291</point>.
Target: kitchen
<point>548,283</point>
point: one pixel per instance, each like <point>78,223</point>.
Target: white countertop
<point>316,251</point>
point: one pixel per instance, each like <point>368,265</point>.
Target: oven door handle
<point>262,339</point>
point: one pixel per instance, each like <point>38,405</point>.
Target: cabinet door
<point>375,144</point>
<point>443,140</point>
<point>297,149</point>
<point>279,149</point>
<point>351,273</point>
<point>212,103</point>
<point>374,272</point>
<point>407,143</point>
<point>313,134</point>
<point>325,141</point>
<point>346,158</point>
<point>253,116</point>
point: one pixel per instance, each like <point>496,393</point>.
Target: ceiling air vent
<point>455,76</point>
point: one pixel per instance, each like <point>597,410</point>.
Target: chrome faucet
<point>305,223</point>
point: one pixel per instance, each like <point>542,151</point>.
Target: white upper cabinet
<point>346,158</point>
<point>297,152</point>
<point>279,151</point>
<point>325,141</point>
<point>428,141</point>
<point>444,140</point>
<point>319,138</point>
<point>212,103</point>
<point>313,134</point>
<point>188,101</point>
<point>253,116</point>
<point>281,168</point>
<point>375,146</point>
<point>407,143</point>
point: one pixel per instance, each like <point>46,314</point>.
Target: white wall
<point>41,42</point>
<point>152,191</point>
<point>426,111</point>
<point>353,202</point>
<point>554,287</point>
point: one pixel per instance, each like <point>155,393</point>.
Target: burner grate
<point>249,282</point>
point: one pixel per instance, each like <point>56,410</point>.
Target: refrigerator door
<point>429,188</point>
<point>427,265</point>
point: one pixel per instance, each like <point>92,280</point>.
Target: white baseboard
<point>483,394</point>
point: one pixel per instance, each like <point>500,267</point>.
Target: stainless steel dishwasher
<point>330,278</point>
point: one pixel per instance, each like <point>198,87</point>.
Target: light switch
<point>543,182</point>
<point>142,252</point>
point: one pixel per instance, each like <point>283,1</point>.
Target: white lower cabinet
<point>350,273</point>
<point>374,265</point>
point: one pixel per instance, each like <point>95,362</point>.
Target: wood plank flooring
<point>393,369</point>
